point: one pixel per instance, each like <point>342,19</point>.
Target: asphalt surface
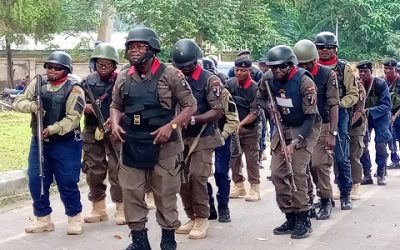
<point>374,223</point>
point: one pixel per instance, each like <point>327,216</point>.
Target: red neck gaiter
<point>330,62</point>
<point>59,81</point>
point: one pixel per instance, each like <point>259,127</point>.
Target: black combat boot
<point>288,226</point>
<point>325,209</point>
<point>224,215</point>
<point>345,203</point>
<point>302,227</point>
<point>168,240</point>
<point>139,240</point>
<point>367,180</point>
<point>381,180</point>
<point>213,212</point>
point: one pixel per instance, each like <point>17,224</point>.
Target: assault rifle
<point>282,140</point>
<point>39,121</point>
<point>103,128</point>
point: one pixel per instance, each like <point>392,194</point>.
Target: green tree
<point>36,18</point>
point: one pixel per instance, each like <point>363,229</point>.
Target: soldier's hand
<point>290,150</point>
<point>89,109</point>
<point>107,123</point>
<point>330,142</point>
<point>117,132</point>
<point>46,133</point>
<point>393,119</point>
<point>162,134</point>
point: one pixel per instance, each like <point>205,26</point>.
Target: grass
<point>15,136</point>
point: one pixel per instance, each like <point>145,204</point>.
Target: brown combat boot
<point>254,194</point>
<point>149,197</point>
<point>238,190</point>
<point>120,215</point>
<point>199,230</point>
<point>186,228</point>
<point>355,193</point>
<point>74,225</point>
<point>98,213</point>
<point>40,224</point>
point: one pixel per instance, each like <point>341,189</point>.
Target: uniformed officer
<point>227,125</point>
<point>327,45</point>
<point>301,123</point>
<point>63,103</point>
<point>262,64</point>
<point>256,73</point>
<point>201,136</point>
<point>328,101</point>
<point>393,80</point>
<point>244,91</point>
<point>143,117</point>
<point>378,106</point>
<point>99,160</point>
<point>357,145</point>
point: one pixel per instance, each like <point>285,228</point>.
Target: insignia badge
<point>136,119</point>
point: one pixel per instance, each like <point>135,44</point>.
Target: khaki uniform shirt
<point>360,107</point>
<point>231,114</point>
<point>172,90</point>
<point>309,105</point>
<point>74,107</point>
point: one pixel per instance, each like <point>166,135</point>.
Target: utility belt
<point>74,134</point>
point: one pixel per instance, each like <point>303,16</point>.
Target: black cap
<point>365,64</point>
<point>243,62</point>
<point>244,52</point>
<point>390,63</point>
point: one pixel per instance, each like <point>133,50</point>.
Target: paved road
<point>374,223</point>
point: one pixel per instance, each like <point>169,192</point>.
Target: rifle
<point>282,140</point>
<point>39,121</point>
<point>104,129</point>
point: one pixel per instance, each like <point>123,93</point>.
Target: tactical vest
<point>103,91</point>
<point>339,70</point>
<point>243,98</point>
<point>54,103</point>
<point>200,93</point>
<point>143,114</point>
<point>291,116</point>
<point>321,80</point>
<point>373,99</point>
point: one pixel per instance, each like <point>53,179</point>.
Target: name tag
<point>284,102</point>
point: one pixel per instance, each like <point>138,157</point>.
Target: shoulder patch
<point>180,75</point>
<point>77,90</point>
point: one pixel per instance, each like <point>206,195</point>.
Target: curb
<point>14,186</point>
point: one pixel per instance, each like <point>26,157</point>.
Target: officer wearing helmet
<point>244,91</point>
<point>378,106</point>
<point>393,80</point>
<point>327,44</point>
<point>63,103</point>
<point>227,125</point>
<point>328,101</point>
<point>143,117</point>
<point>301,125</point>
<point>256,73</point>
<point>98,159</point>
<point>201,136</point>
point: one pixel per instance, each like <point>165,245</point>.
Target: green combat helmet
<point>105,51</point>
<point>279,55</point>
<point>305,51</point>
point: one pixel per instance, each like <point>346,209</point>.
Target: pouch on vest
<point>140,154</point>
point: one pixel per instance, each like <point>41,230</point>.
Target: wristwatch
<point>192,121</point>
<point>174,125</point>
<point>334,133</point>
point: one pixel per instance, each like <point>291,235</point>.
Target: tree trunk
<point>10,70</point>
<point>106,23</point>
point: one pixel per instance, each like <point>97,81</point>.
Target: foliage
<point>15,135</point>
